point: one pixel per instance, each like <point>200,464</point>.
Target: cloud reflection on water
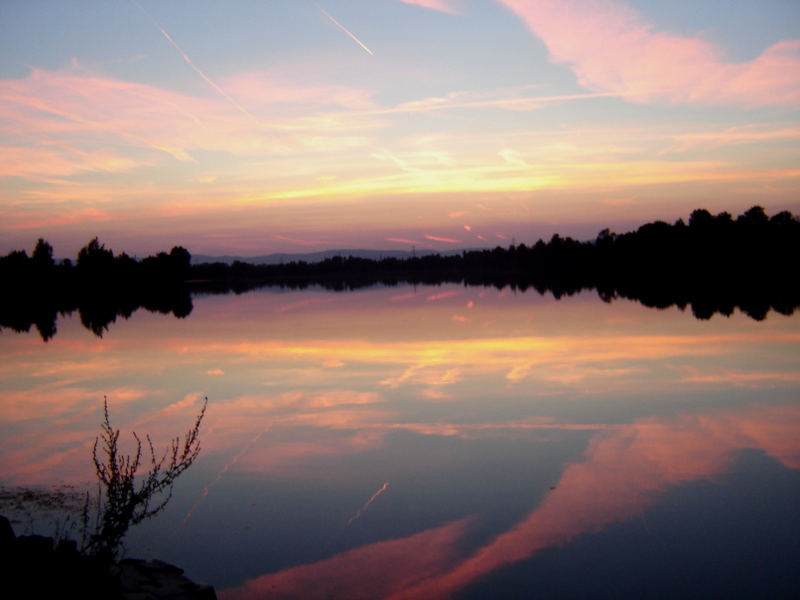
<point>623,473</point>
<point>344,362</point>
<point>316,391</point>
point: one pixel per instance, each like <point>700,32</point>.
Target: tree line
<point>98,285</point>
<point>713,263</point>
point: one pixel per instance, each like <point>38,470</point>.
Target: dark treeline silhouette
<point>713,263</point>
<point>99,285</point>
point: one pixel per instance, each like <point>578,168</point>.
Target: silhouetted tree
<point>42,256</point>
<point>95,263</point>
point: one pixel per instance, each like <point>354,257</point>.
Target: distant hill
<point>312,257</point>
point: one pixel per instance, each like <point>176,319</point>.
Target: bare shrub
<point>125,499</point>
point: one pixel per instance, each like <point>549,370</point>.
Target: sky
<point>259,126</point>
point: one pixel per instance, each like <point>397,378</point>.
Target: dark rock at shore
<point>34,566</point>
<point>157,580</point>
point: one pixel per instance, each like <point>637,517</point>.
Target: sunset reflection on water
<point>501,424</point>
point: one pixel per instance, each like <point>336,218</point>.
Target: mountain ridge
<point>277,258</point>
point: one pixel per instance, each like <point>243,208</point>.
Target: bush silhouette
<point>123,502</point>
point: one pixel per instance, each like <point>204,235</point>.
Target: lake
<point>435,442</point>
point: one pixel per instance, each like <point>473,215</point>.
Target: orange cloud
<point>612,48</point>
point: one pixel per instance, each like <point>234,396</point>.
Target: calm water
<point>438,442</point>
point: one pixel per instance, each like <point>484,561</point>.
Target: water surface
<point>441,441</point>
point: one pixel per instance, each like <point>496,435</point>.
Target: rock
<point>32,566</point>
<point>157,580</point>
<point>6,532</point>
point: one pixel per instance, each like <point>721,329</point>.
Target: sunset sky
<point>250,127</point>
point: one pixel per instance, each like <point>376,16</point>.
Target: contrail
<point>222,471</point>
<point>191,64</point>
<point>370,501</point>
<point>343,28</point>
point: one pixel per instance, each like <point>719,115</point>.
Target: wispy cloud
<point>732,136</point>
<point>507,100</point>
<point>60,160</point>
<point>82,121</point>
<point>613,48</point>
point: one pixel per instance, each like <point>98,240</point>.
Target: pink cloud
<point>440,5</point>
<point>443,295</point>
<point>59,160</point>
<point>442,239</point>
<point>408,296</point>
<point>402,240</point>
<point>43,113</point>
<point>613,48</point>
<point>266,87</point>
<point>59,218</point>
